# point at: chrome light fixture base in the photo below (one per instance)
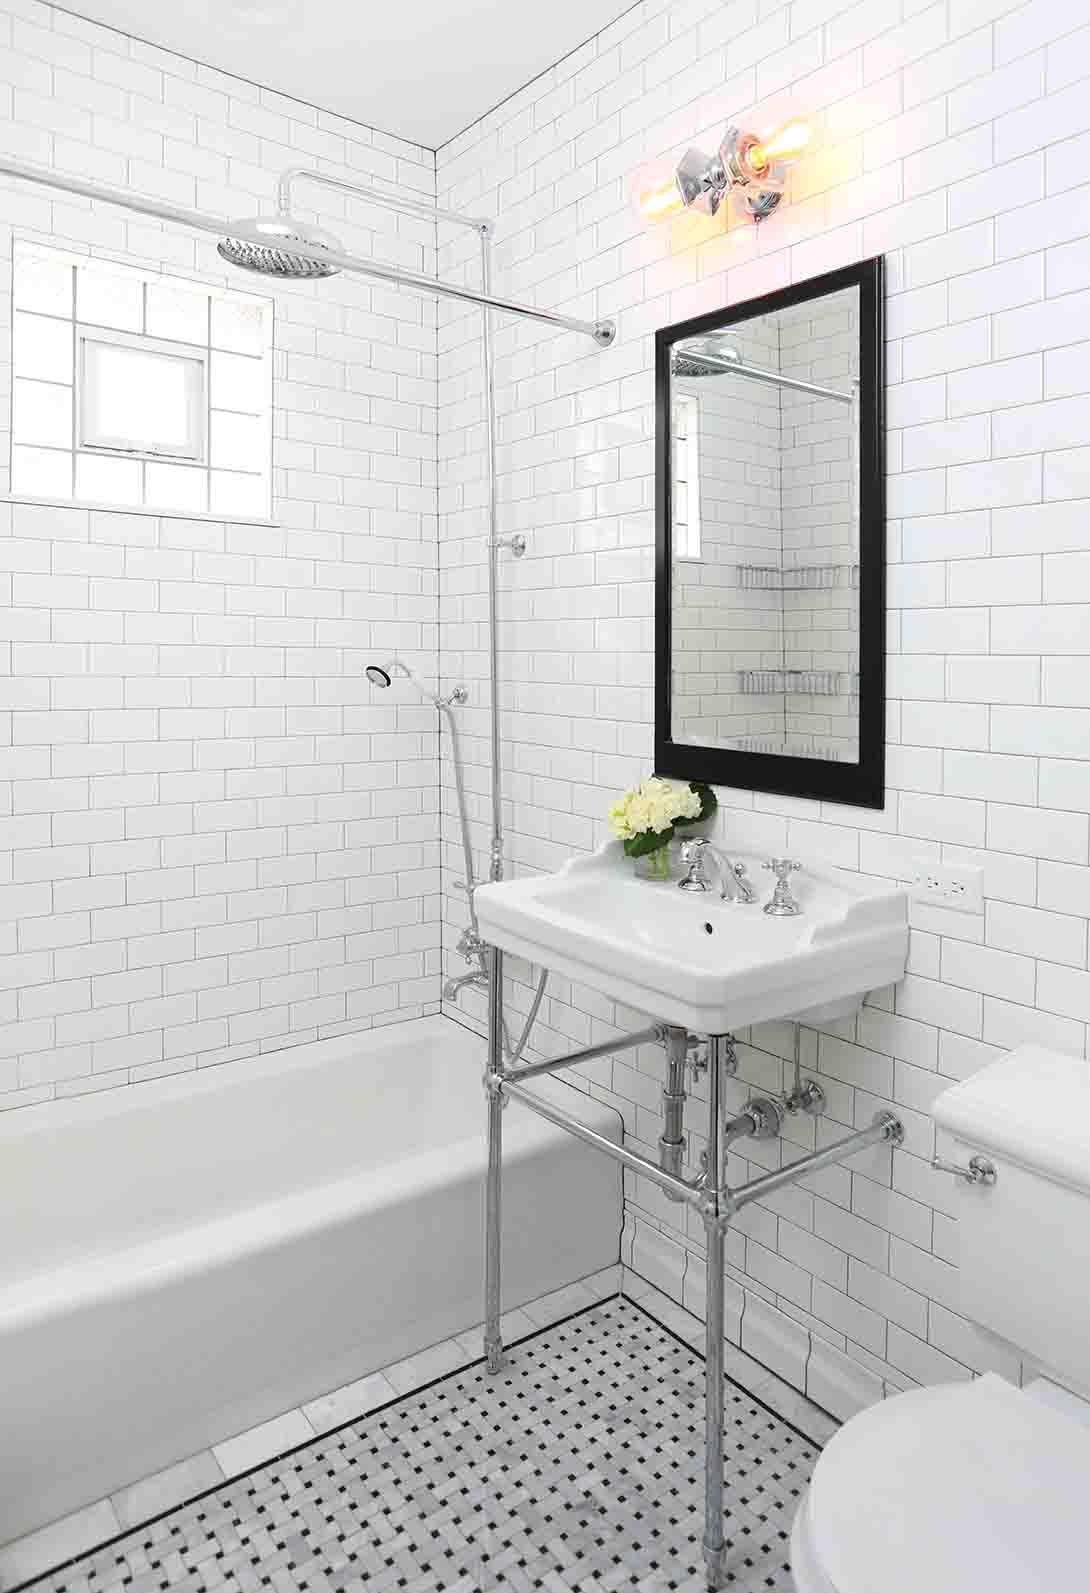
(704, 181)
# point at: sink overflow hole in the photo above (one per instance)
(708, 930)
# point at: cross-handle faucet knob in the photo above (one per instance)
(783, 904)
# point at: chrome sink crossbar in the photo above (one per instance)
(623, 1042)
(709, 1194)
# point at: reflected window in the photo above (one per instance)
(685, 472)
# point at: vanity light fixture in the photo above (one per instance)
(753, 169)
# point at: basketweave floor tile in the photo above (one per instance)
(580, 1467)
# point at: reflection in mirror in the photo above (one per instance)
(765, 434)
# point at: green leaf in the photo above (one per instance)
(708, 804)
(647, 841)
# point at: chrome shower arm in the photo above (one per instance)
(603, 332)
(373, 196)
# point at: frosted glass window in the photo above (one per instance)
(236, 440)
(115, 372)
(236, 382)
(100, 478)
(141, 399)
(110, 298)
(42, 348)
(177, 311)
(44, 284)
(176, 487)
(41, 472)
(45, 412)
(236, 494)
(238, 324)
(685, 477)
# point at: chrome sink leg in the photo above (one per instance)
(713, 1361)
(493, 1343)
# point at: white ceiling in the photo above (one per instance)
(424, 70)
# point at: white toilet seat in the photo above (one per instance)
(964, 1485)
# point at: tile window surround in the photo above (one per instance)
(213, 839)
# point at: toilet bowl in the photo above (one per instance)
(981, 1484)
(966, 1485)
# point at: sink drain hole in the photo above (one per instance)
(708, 929)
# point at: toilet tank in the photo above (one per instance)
(1024, 1242)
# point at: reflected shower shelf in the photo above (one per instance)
(797, 578)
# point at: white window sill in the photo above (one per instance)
(128, 508)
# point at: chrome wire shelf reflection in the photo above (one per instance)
(806, 682)
(790, 747)
(797, 577)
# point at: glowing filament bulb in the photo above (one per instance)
(662, 201)
(786, 144)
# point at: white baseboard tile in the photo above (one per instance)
(695, 1298)
(774, 1340)
(660, 1260)
(839, 1384)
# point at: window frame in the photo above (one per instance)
(197, 363)
(51, 463)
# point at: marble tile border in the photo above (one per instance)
(761, 1384)
(25, 1560)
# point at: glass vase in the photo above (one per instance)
(657, 865)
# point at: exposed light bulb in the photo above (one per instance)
(787, 144)
(662, 201)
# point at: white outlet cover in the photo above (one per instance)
(959, 887)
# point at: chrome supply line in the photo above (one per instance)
(708, 1193)
(720, 365)
(602, 332)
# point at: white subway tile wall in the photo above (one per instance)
(215, 836)
(953, 139)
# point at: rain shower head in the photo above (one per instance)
(275, 255)
(377, 675)
(710, 357)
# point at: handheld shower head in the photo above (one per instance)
(275, 255)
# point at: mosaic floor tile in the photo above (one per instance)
(580, 1467)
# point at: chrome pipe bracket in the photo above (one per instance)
(979, 1171)
(515, 544)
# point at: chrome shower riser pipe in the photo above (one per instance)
(602, 332)
(495, 862)
(372, 196)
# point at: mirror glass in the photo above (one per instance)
(768, 426)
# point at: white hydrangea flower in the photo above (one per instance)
(655, 805)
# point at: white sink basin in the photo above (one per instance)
(693, 959)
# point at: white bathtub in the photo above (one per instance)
(183, 1259)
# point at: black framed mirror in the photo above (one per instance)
(770, 567)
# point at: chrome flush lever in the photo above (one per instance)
(979, 1171)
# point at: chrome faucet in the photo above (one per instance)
(733, 883)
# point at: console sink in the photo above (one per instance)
(692, 959)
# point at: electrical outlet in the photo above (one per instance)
(955, 885)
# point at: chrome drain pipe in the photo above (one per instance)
(672, 1138)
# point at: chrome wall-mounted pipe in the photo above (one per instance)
(886, 1128)
(602, 332)
(373, 196)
